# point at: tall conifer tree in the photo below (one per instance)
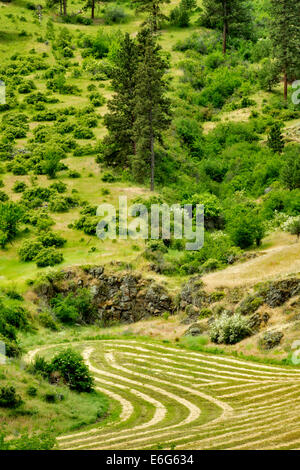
(119, 144)
(230, 16)
(285, 34)
(152, 107)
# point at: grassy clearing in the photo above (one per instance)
(69, 413)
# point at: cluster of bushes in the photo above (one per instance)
(43, 250)
(67, 367)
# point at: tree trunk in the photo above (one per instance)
(60, 7)
(93, 9)
(225, 28)
(65, 7)
(152, 154)
(285, 81)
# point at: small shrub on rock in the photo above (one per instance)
(270, 340)
(229, 329)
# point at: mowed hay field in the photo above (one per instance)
(172, 398)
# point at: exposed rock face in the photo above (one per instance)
(124, 297)
(278, 292)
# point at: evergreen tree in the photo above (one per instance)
(120, 144)
(275, 138)
(230, 16)
(285, 34)
(153, 8)
(152, 107)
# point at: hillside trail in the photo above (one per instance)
(274, 262)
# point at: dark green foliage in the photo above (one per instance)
(275, 138)
(290, 172)
(245, 227)
(74, 308)
(9, 397)
(48, 257)
(3, 196)
(47, 321)
(19, 187)
(52, 239)
(31, 391)
(120, 143)
(269, 74)
(12, 348)
(285, 35)
(152, 107)
(71, 366)
(233, 17)
(10, 217)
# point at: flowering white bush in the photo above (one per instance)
(289, 223)
(230, 329)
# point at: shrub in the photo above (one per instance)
(10, 217)
(294, 227)
(29, 250)
(245, 227)
(19, 187)
(31, 391)
(83, 133)
(229, 329)
(40, 366)
(59, 187)
(47, 321)
(48, 257)
(9, 397)
(114, 14)
(71, 366)
(52, 239)
(275, 138)
(290, 172)
(12, 348)
(15, 316)
(75, 307)
(97, 100)
(108, 178)
(3, 196)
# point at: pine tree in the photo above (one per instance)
(153, 8)
(285, 34)
(152, 107)
(119, 144)
(230, 16)
(275, 138)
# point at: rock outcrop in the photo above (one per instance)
(119, 297)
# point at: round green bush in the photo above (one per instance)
(48, 257)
